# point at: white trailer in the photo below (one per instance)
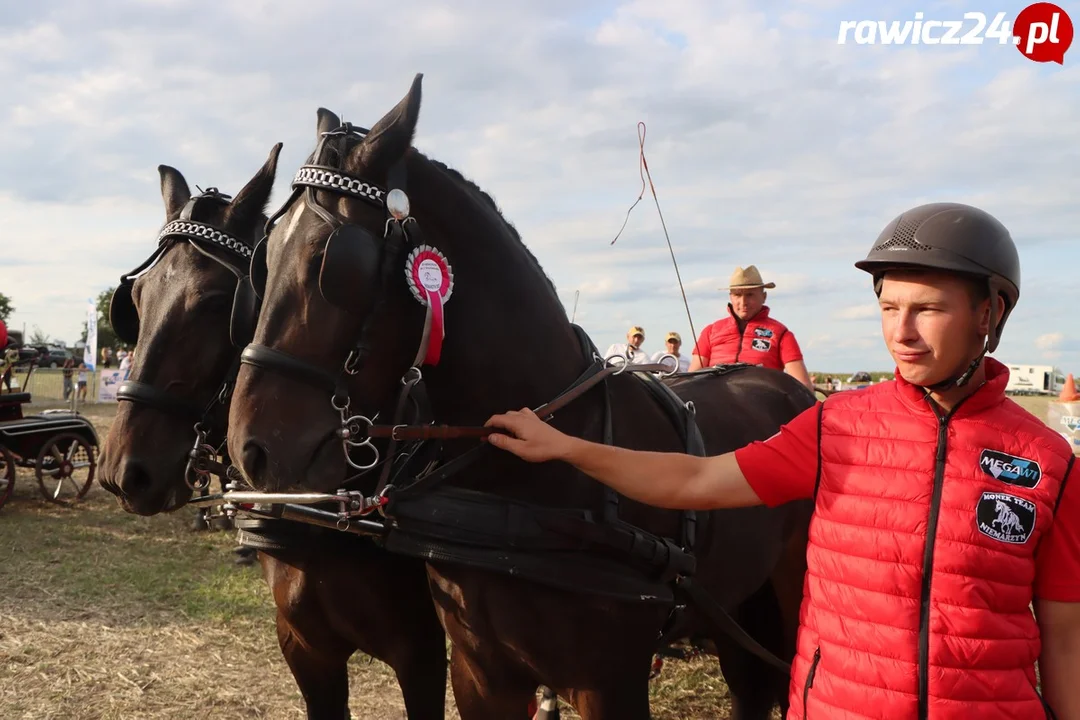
(1035, 380)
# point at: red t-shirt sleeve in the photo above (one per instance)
(1057, 562)
(789, 348)
(784, 467)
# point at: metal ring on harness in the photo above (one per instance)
(622, 366)
(405, 378)
(668, 373)
(350, 428)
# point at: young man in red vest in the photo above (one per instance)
(943, 510)
(748, 334)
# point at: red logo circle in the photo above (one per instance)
(1043, 32)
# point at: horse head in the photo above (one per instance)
(385, 265)
(188, 311)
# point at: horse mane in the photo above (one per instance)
(335, 154)
(473, 189)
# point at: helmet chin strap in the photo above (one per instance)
(959, 380)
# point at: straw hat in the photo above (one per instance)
(745, 279)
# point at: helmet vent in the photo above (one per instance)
(903, 237)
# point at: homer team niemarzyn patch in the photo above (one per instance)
(762, 332)
(759, 344)
(1010, 469)
(1006, 518)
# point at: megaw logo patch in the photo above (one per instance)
(1006, 518)
(760, 345)
(1010, 469)
(762, 332)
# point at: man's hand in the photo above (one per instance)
(530, 438)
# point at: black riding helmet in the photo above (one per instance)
(953, 238)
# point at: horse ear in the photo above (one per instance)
(248, 206)
(327, 121)
(392, 135)
(174, 190)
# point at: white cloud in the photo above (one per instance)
(1050, 345)
(858, 312)
(768, 143)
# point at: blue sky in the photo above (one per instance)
(769, 143)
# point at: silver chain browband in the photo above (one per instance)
(321, 177)
(200, 231)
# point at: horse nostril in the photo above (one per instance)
(254, 460)
(134, 478)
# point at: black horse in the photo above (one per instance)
(522, 568)
(335, 593)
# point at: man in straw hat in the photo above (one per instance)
(748, 334)
(944, 512)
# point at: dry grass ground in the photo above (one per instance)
(106, 615)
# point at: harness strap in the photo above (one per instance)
(145, 394)
(719, 617)
(593, 375)
(391, 448)
(269, 359)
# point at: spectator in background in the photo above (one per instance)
(82, 381)
(631, 349)
(68, 371)
(106, 357)
(125, 362)
(672, 343)
(748, 334)
(8, 357)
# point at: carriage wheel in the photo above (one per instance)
(7, 474)
(65, 468)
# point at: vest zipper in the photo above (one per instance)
(928, 569)
(742, 337)
(810, 681)
(928, 555)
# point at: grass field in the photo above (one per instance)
(113, 616)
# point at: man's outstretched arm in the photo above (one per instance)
(667, 480)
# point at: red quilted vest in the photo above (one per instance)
(921, 557)
(758, 344)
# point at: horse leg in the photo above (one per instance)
(489, 691)
(420, 666)
(321, 673)
(508, 637)
(314, 652)
(620, 698)
(755, 685)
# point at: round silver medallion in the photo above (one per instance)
(397, 202)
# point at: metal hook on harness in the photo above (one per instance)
(367, 443)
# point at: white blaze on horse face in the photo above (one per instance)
(298, 212)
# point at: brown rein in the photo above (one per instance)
(405, 433)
